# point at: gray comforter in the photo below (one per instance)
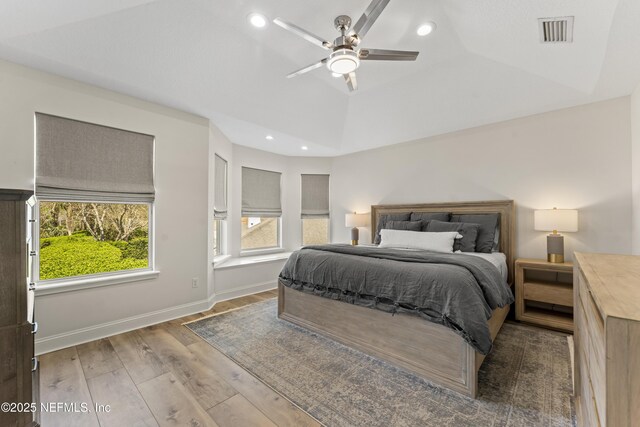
(455, 290)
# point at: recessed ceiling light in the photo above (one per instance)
(336, 75)
(257, 20)
(426, 28)
(304, 147)
(269, 137)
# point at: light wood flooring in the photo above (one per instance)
(162, 375)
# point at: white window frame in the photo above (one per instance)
(221, 241)
(265, 250)
(302, 229)
(221, 232)
(65, 284)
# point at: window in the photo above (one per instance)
(260, 233)
(78, 239)
(217, 237)
(315, 209)
(219, 205)
(261, 209)
(315, 231)
(95, 192)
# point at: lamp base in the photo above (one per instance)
(355, 236)
(555, 258)
(555, 248)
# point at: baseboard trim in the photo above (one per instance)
(103, 330)
(244, 291)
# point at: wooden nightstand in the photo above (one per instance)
(544, 293)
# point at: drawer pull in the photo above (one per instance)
(34, 328)
(34, 364)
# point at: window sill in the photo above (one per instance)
(78, 284)
(221, 259)
(259, 252)
(244, 261)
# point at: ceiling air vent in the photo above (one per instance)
(556, 30)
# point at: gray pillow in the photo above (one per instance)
(383, 218)
(488, 225)
(404, 225)
(425, 217)
(468, 231)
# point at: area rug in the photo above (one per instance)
(524, 381)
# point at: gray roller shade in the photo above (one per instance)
(81, 161)
(315, 196)
(220, 189)
(260, 193)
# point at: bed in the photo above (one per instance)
(430, 350)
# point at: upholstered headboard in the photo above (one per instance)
(506, 209)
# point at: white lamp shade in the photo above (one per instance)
(555, 219)
(356, 220)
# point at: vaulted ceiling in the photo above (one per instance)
(483, 64)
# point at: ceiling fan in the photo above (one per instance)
(345, 55)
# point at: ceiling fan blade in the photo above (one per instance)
(308, 68)
(387, 55)
(368, 18)
(351, 80)
(303, 33)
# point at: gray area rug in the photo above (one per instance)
(524, 381)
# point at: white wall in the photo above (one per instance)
(635, 169)
(181, 178)
(572, 158)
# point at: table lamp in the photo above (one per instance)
(355, 220)
(555, 220)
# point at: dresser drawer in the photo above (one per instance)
(592, 313)
(598, 380)
(589, 413)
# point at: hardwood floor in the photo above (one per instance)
(162, 375)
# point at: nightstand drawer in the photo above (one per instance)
(552, 293)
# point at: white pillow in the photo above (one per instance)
(428, 241)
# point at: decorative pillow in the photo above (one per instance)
(468, 231)
(425, 217)
(382, 221)
(488, 225)
(404, 225)
(434, 242)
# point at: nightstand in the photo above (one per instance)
(544, 293)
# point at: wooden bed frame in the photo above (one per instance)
(429, 350)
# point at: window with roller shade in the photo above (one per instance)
(315, 209)
(261, 209)
(219, 204)
(95, 192)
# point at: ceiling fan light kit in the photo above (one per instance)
(345, 58)
(343, 61)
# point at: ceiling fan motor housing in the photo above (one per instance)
(343, 61)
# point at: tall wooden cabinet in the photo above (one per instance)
(607, 340)
(18, 365)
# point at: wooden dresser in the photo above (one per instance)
(607, 339)
(18, 365)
